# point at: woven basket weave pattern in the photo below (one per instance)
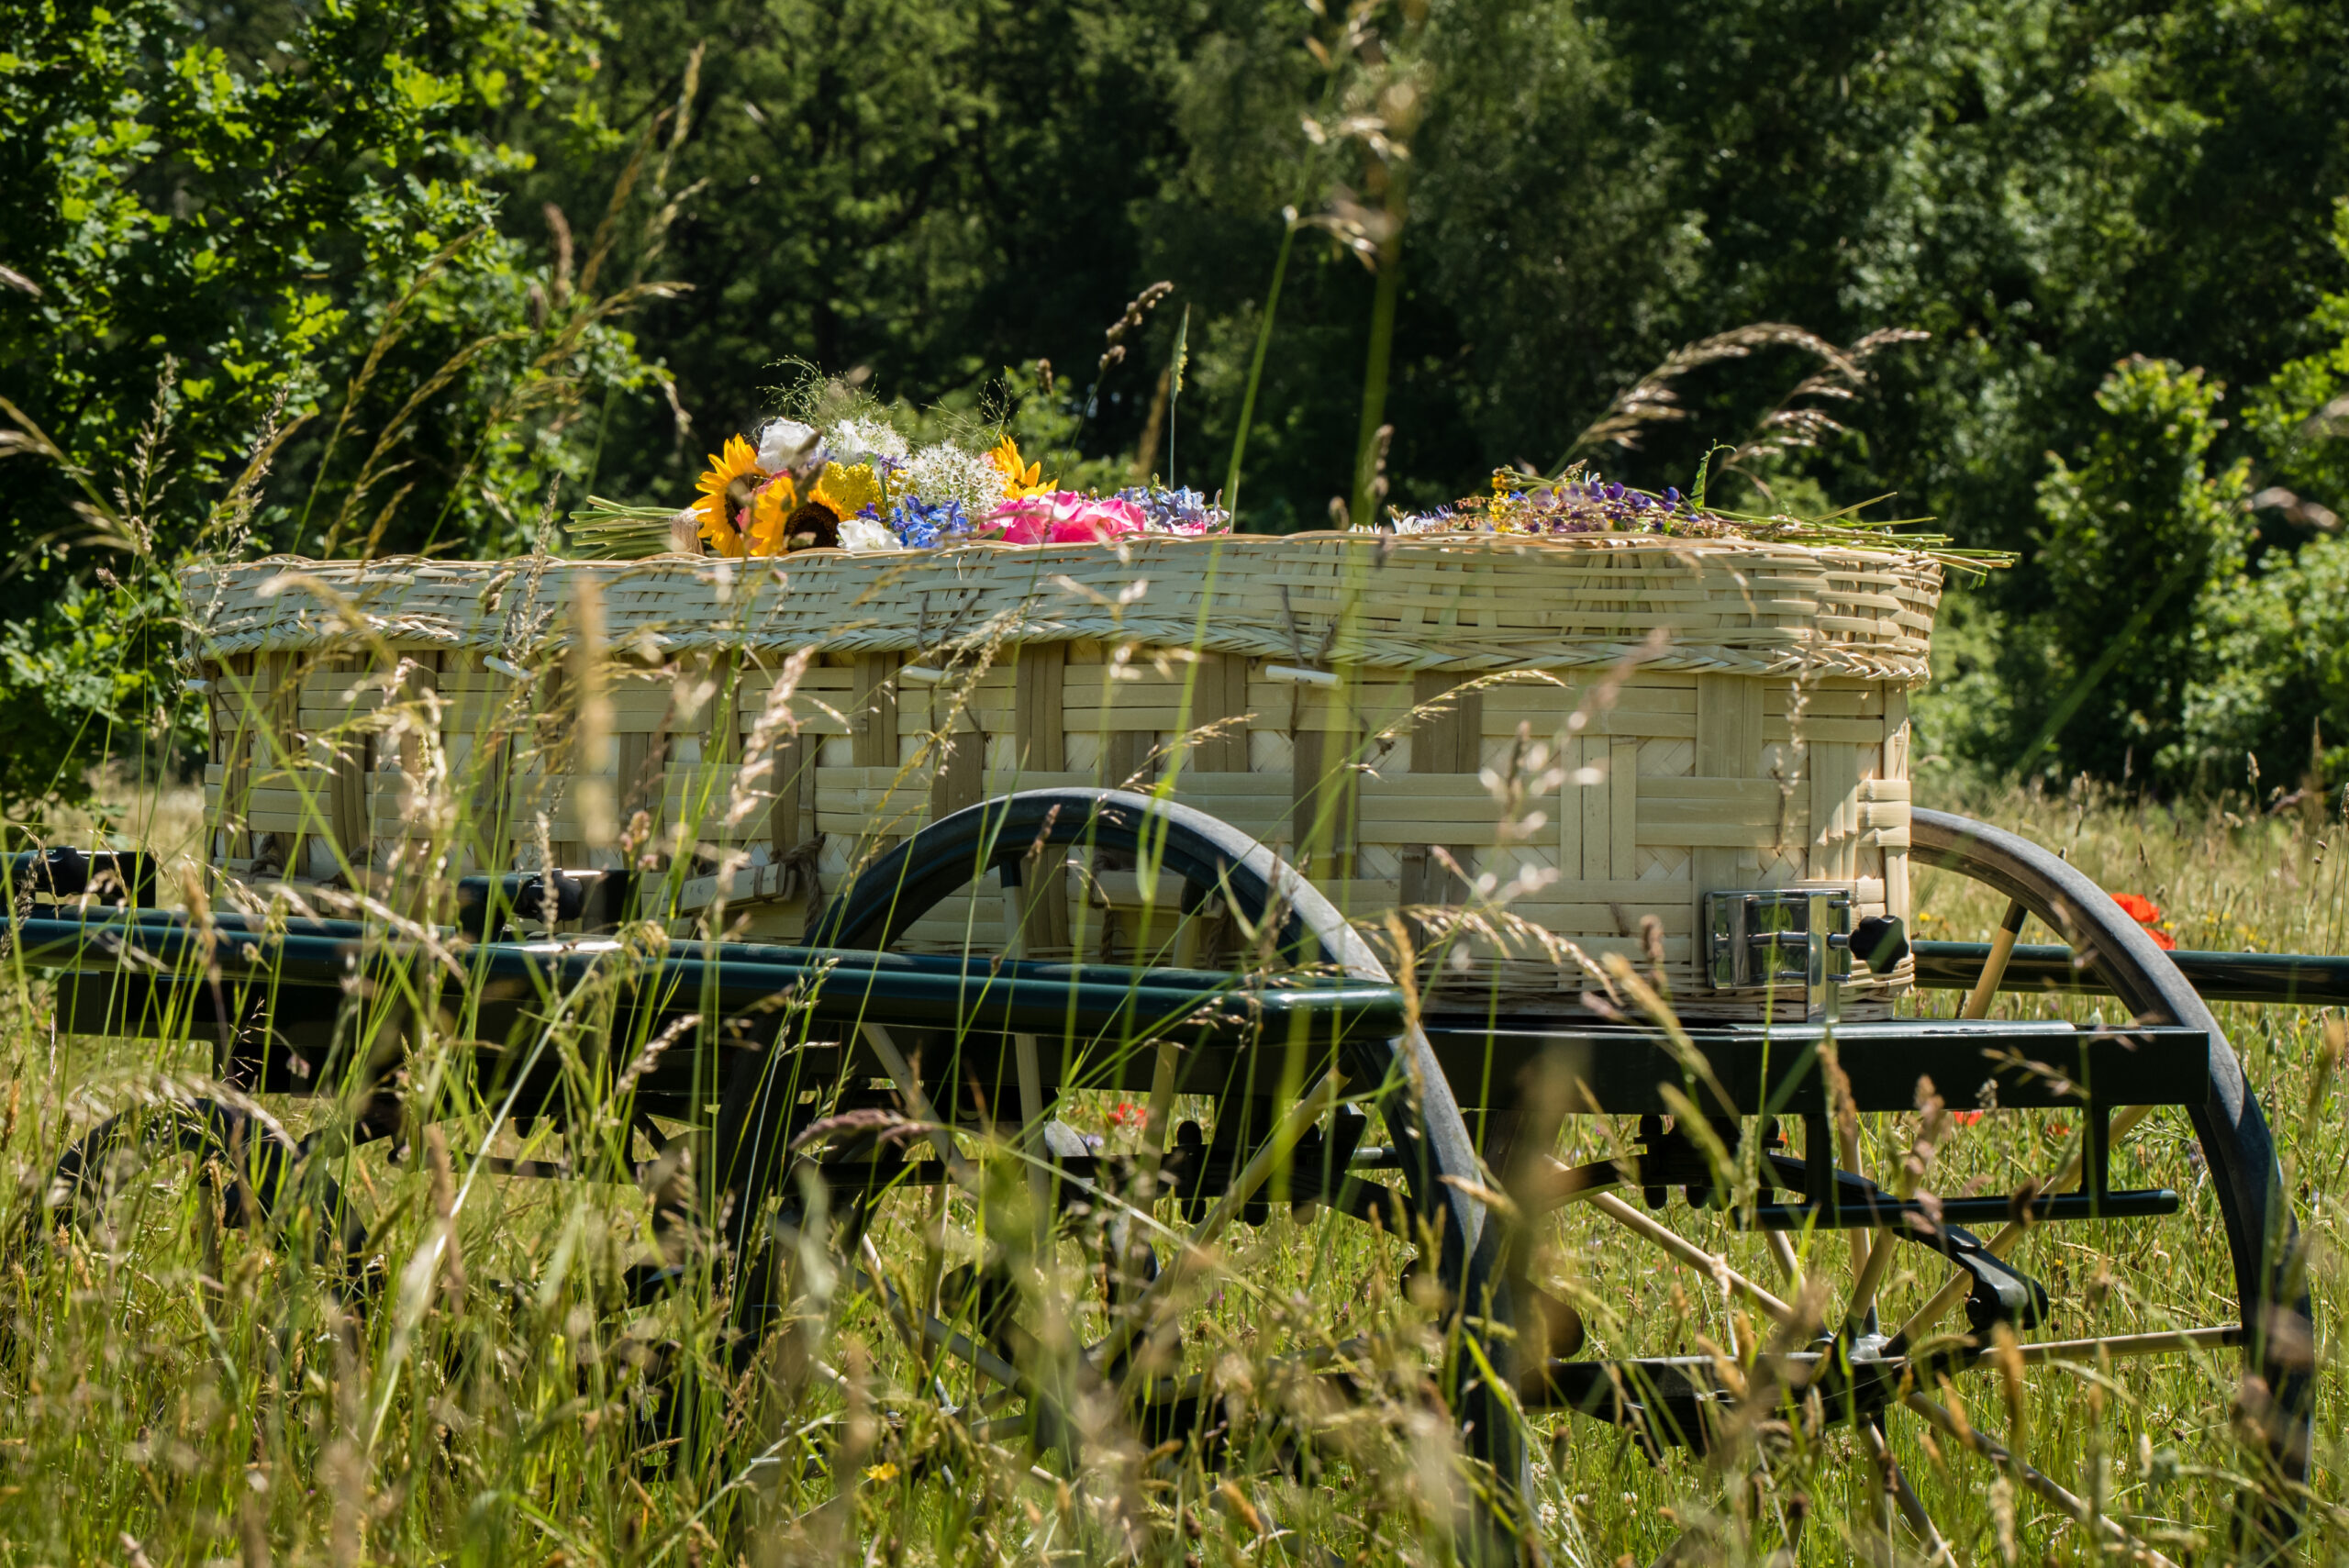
(1471, 605)
(1608, 774)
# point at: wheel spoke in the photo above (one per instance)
(1994, 968)
(1025, 1052)
(1912, 1507)
(2153, 1344)
(1031, 1118)
(1688, 1252)
(1782, 1253)
(1554, 1185)
(927, 1325)
(901, 1074)
(1878, 1264)
(1161, 1117)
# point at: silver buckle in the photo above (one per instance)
(1780, 938)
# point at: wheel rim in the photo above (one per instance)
(1406, 1084)
(2274, 1324)
(2263, 1239)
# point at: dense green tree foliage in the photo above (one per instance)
(258, 296)
(445, 236)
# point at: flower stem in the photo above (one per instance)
(1256, 371)
(1374, 384)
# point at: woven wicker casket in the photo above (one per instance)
(1537, 746)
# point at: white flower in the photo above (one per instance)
(867, 534)
(786, 443)
(946, 472)
(855, 440)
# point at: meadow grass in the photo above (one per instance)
(185, 1391)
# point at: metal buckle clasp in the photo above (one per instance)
(1780, 938)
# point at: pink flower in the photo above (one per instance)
(1066, 516)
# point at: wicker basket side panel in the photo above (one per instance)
(1892, 826)
(285, 783)
(1603, 801)
(1674, 786)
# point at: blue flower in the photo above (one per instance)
(926, 525)
(1184, 510)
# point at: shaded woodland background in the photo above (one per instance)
(446, 268)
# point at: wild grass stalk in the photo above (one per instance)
(503, 1397)
(553, 1335)
(1256, 362)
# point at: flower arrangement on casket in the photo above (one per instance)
(1582, 503)
(859, 486)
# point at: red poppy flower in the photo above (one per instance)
(1127, 1115)
(1965, 1119)
(2148, 914)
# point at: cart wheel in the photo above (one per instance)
(996, 1325)
(242, 1171)
(2067, 1324)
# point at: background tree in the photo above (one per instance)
(917, 195)
(266, 242)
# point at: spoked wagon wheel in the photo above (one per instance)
(1132, 1346)
(216, 1163)
(2016, 1308)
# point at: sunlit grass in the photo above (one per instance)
(185, 1393)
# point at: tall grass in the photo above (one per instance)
(457, 1360)
(186, 1391)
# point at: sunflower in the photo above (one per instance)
(1019, 480)
(814, 526)
(770, 508)
(839, 493)
(726, 489)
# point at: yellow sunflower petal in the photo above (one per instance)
(721, 536)
(776, 500)
(738, 460)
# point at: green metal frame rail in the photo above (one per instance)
(2290, 979)
(843, 985)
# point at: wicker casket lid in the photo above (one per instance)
(1466, 604)
(1689, 716)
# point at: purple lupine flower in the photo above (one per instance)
(1183, 511)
